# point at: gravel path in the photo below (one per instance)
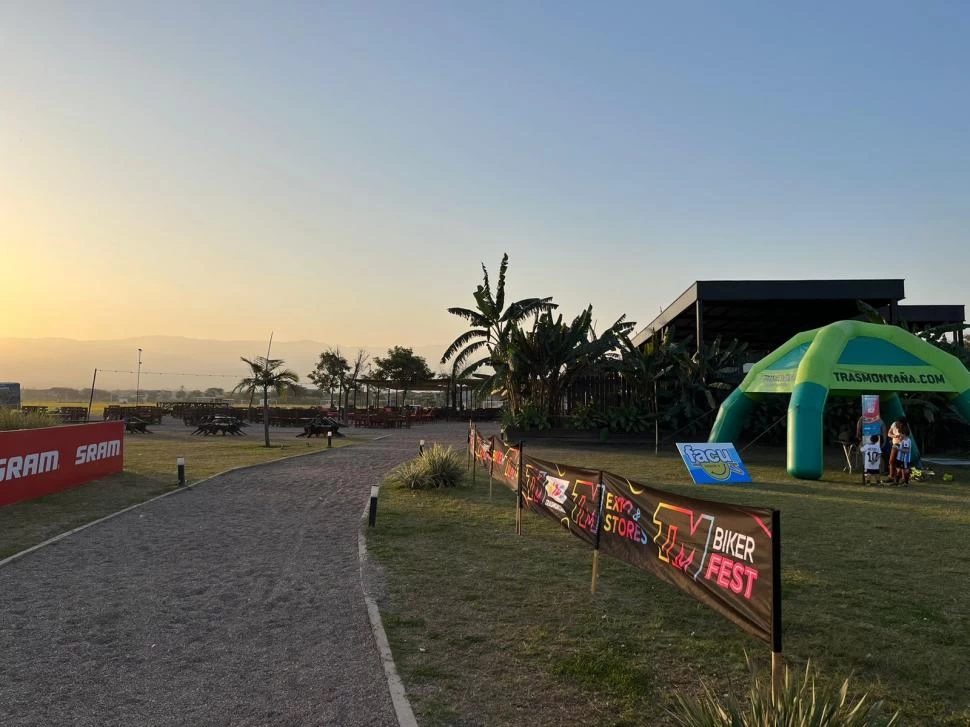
(234, 603)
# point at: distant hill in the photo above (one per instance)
(45, 362)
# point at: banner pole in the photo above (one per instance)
(491, 463)
(468, 449)
(475, 459)
(777, 666)
(518, 495)
(596, 539)
(91, 398)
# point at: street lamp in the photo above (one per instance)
(138, 379)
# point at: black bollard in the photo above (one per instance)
(421, 447)
(329, 438)
(180, 462)
(372, 513)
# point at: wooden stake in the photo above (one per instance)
(596, 571)
(491, 465)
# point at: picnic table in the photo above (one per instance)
(320, 426)
(221, 425)
(134, 425)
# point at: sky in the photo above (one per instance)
(339, 171)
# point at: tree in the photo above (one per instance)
(215, 392)
(266, 374)
(354, 372)
(543, 363)
(402, 369)
(492, 323)
(330, 372)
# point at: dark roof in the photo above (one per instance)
(766, 313)
(928, 316)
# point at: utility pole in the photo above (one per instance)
(138, 379)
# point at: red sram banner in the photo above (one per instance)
(37, 462)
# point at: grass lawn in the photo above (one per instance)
(492, 629)
(149, 470)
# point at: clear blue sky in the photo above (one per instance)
(366, 157)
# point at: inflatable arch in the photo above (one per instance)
(847, 358)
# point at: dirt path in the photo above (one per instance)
(236, 603)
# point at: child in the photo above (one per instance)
(872, 459)
(902, 456)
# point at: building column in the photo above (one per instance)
(699, 311)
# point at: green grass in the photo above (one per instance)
(490, 628)
(149, 471)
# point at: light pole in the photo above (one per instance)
(138, 379)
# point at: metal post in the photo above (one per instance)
(180, 465)
(777, 667)
(372, 510)
(91, 399)
(329, 438)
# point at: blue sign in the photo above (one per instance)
(715, 463)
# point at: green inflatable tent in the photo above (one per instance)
(847, 358)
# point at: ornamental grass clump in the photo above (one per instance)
(11, 419)
(434, 468)
(801, 702)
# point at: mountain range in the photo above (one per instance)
(167, 361)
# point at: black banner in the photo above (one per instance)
(568, 495)
(718, 553)
(506, 465)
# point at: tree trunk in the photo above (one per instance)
(266, 414)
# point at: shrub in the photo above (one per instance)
(436, 467)
(802, 702)
(16, 419)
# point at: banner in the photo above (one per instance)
(9, 395)
(37, 462)
(568, 495)
(871, 423)
(718, 553)
(483, 449)
(713, 463)
(506, 465)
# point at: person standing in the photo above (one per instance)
(896, 436)
(904, 450)
(871, 459)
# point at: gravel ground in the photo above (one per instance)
(234, 603)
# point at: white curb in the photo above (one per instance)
(402, 707)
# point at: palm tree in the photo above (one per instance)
(544, 362)
(266, 375)
(492, 323)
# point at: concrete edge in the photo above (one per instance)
(51, 541)
(402, 707)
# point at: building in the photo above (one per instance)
(766, 313)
